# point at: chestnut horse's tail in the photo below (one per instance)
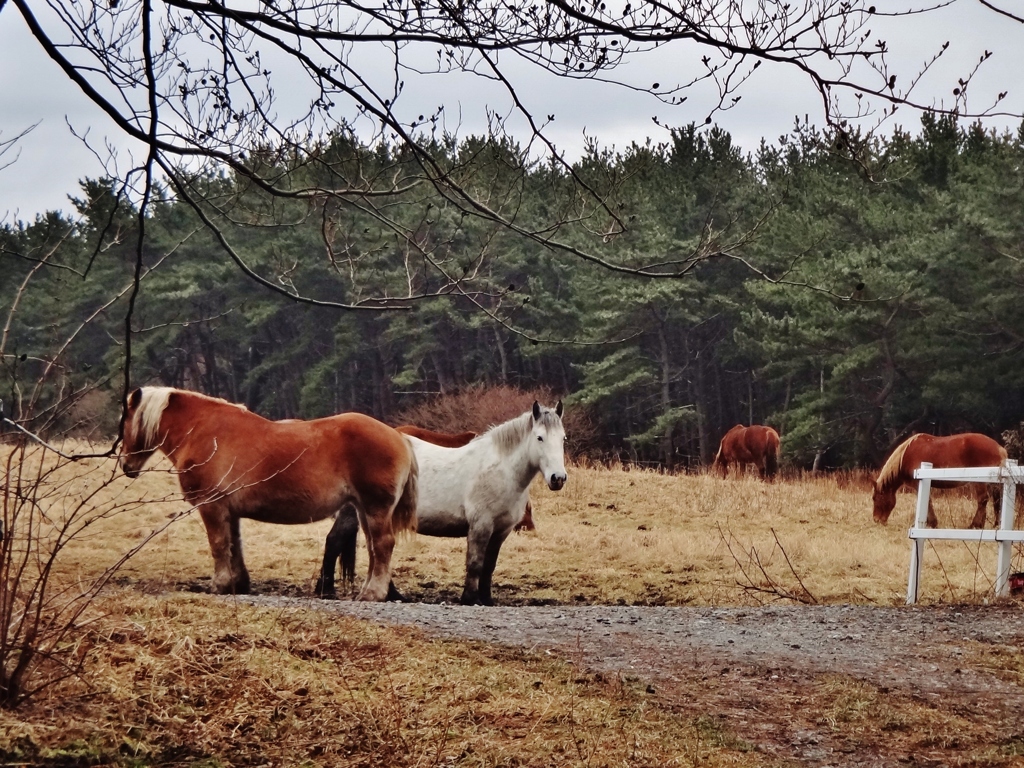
(891, 472)
(404, 516)
(771, 453)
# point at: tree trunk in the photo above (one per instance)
(666, 399)
(502, 356)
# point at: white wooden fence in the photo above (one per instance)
(1009, 476)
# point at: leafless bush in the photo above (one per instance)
(755, 568)
(48, 501)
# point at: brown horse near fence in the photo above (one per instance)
(969, 449)
(232, 464)
(756, 444)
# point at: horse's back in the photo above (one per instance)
(295, 471)
(445, 439)
(967, 449)
(749, 444)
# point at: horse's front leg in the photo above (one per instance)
(477, 540)
(490, 561)
(933, 521)
(224, 534)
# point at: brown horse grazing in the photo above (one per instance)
(232, 464)
(341, 539)
(969, 449)
(755, 444)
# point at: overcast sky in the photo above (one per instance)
(49, 161)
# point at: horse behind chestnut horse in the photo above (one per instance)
(457, 440)
(479, 491)
(232, 464)
(756, 444)
(969, 449)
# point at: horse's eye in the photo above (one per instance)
(540, 439)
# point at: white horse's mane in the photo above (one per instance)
(509, 435)
(154, 403)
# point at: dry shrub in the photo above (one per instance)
(1013, 440)
(479, 408)
(51, 504)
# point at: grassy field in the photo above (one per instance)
(175, 678)
(611, 536)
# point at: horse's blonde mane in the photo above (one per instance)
(147, 416)
(890, 471)
(509, 435)
(152, 407)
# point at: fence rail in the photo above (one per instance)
(1009, 476)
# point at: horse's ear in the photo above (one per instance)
(558, 409)
(135, 398)
(536, 411)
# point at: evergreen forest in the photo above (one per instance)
(846, 302)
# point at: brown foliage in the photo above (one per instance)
(477, 409)
(1013, 441)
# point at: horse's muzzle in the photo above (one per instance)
(557, 481)
(131, 472)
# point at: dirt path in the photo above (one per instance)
(762, 673)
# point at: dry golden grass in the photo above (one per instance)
(611, 536)
(183, 680)
(615, 536)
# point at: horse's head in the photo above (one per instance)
(547, 446)
(884, 502)
(136, 437)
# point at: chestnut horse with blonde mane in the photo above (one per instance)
(969, 449)
(756, 444)
(232, 463)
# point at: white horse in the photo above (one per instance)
(478, 491)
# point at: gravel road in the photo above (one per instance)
(741, 663)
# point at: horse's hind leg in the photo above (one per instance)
(933, 521)
(380, 543)
(340, 544)
(224, 534)
(981, 494)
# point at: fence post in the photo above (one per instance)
(924, 489)
(1006, 515)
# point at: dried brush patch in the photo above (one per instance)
(197, 681)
